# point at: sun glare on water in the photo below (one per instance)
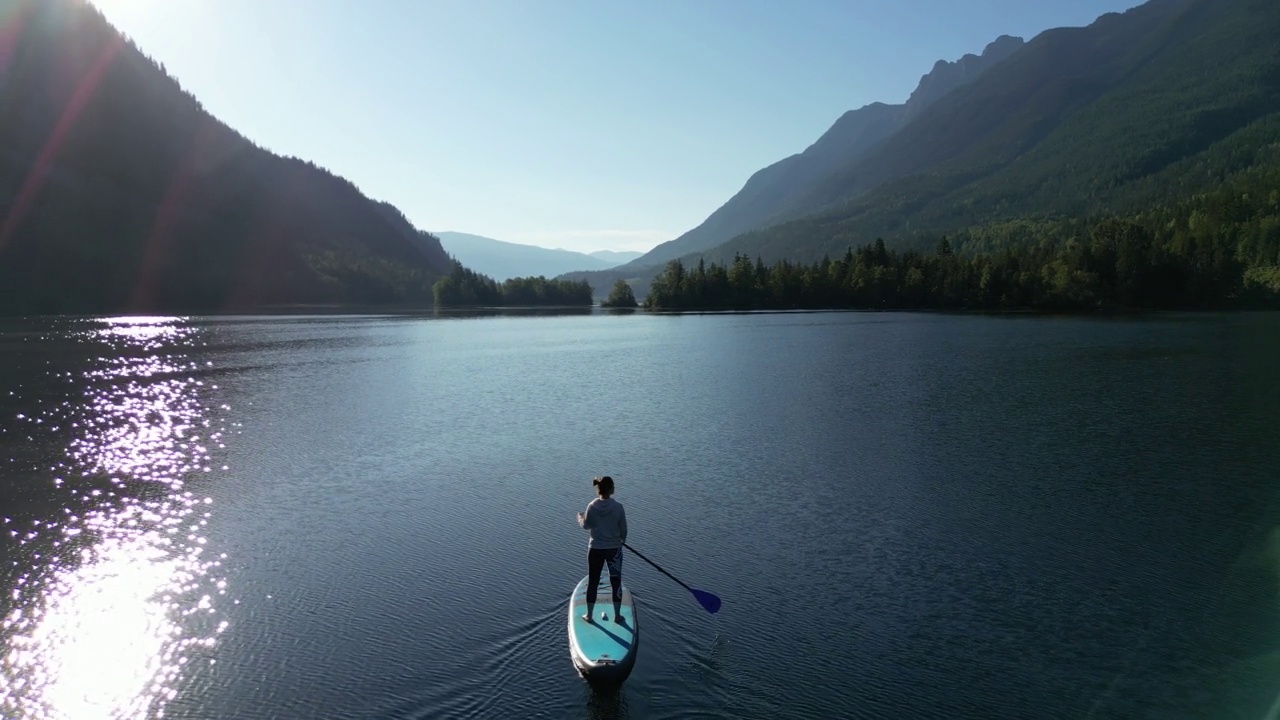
(103, 646)
(120, 594)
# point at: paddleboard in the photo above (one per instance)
(603, 649)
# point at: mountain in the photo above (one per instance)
(121, 193)
(778, 191)
(502, 260)
(1167, 115)
(1136, 111)
(614, 257)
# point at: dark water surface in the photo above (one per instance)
(905, 515)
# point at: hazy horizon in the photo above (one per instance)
(568, 125)
(442, 234)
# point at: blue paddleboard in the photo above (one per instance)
(603, 649)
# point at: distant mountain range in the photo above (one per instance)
(1137, 110)
(615, 257)
(119, 192)
(502, 260)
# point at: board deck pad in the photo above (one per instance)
(602, 648)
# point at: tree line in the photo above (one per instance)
(466, 288)
(1121, 264)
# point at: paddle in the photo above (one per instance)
(706, 599)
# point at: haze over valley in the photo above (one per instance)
(503, 260)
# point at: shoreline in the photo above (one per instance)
(330, 310)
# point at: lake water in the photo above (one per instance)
(906, 515)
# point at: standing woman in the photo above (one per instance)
(607, 523)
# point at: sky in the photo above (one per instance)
(577, 124)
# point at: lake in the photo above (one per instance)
(906, 515)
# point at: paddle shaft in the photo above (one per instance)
(659, 567)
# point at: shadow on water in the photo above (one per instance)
(606, 701)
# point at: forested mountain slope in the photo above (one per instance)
(119, 192)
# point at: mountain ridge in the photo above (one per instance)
(773, 190)
(1147, 91)
(1138, 110)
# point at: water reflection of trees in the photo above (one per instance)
(492, 312)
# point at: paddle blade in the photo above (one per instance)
(707, 600)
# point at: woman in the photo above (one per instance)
(607, 522)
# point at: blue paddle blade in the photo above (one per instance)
(707, 600)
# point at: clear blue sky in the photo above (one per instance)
(582, 124)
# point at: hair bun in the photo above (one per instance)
(595, 482)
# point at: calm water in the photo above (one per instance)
(905, 515)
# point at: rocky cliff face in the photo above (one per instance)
(947, 76)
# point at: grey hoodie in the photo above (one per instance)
(607, 522)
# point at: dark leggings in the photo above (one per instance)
(595, 563)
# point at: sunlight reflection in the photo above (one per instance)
(142, 327)
(106, 643)
(119, 597)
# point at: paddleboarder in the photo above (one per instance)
(607, 522)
